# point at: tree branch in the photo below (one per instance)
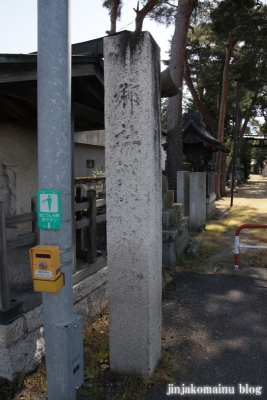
(140, 15)
(171, 5)
(203, 111)
(113, 16)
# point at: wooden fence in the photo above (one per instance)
(85, 220)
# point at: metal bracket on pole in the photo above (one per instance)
(71, 350)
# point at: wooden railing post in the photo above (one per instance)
(79, 232)
(91, 230)
(4, 282)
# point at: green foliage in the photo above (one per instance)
(244, 22)
(262, 107)
(206, 59)
(230, 18)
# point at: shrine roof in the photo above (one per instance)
(199, 133)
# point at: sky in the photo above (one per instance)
(88, 20)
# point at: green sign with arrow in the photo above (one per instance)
(49, 209)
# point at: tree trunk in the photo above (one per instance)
(223, 102)
(113, 16)
(174, 135)
(223, 175)
(197, 100)
(140, 15)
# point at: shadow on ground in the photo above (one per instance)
(216, 328)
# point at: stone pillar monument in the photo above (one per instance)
(134, 203)
(183, 190)
(197, 212)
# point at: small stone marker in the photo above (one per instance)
(197, 209)
(183, 194)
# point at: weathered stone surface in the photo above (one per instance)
(5, 364)
(210, 205)
(89, 284)
(133, 185)
(175, 244)
(93, 304)
(27, 354)
(97, 302)
(164, 183)
(11, 333)
(167, 199)
(34, 318)
(169, 235)
(169, 258)
(175, 235)
(183, 190)
(172, 216)
(81, 307)
(24, 355)
(197, 214)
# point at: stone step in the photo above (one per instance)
(175, 242)
(172, 216)
(167, 199)
(170, 235)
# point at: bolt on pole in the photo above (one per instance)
(62, 328)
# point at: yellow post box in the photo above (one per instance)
(45, 265)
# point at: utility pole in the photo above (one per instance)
(62, 328)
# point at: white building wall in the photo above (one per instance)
(84, 152)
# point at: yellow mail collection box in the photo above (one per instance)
(45, 265)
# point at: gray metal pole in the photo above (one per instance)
(62, 329)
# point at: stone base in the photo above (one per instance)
(183, 190)
(167, 199)
(210, 205)
(172, 216)
(175, 242)
(22, 342)
(197, 212)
